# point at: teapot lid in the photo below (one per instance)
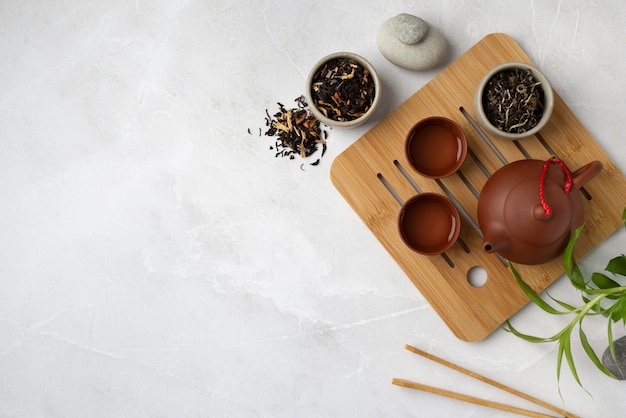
(527, 219)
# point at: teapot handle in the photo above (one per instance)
(585, 173)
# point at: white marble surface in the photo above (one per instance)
(157, 260)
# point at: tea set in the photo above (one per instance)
(527, 210)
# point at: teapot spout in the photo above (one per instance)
(496, 241)
(491, 248)
(586, 173)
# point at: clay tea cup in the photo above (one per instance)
(429, 223)
(436, 147)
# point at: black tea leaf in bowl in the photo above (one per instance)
(513, 101)
(343, 90)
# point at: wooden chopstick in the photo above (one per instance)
(466, 398)
(491, 382)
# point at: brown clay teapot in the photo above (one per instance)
(528, 209)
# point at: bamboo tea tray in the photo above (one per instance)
(375, 178)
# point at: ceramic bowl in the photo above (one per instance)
(479, 110)
(329, 117)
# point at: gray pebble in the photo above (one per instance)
(394, 42)
(409, 29)
(617, 368)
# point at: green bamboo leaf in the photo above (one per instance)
(606, 292)
(577, 278)
(563, 304)
(609, 333)
(618, 310)
(603, 281)
(617, 265)
(530, 338)
(559, 360)
(591, 353)
(533, 296)
(568, 255)
(624, 217)
(623, 309)
(568, 355)
(608, 313)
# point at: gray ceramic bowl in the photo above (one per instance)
(548, 102)
(309, 94)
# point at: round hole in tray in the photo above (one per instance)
(477, 276)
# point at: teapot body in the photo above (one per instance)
(514, 219)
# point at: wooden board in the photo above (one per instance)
(369, 172)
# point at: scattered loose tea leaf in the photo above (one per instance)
(513, 100)
(343, 90)
(297, 131)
